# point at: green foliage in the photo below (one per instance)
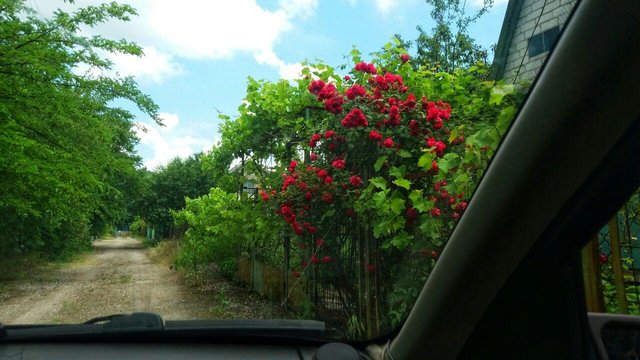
(66, 153)
(448, 47)
(165, 189)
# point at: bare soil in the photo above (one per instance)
(121, 276)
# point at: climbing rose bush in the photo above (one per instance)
(385, 158)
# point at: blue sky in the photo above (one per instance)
(199, 53)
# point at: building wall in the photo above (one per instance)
(555, 13)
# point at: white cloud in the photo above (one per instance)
(169, 120)
(171, 141)
(299, 8)
(385, 6)
(154, 66)
(197, 29)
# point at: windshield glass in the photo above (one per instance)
(289, 159)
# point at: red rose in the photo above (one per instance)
(329, 134)
(316, 137)
(326, 259)
(328, 198)
(328, 180)
(388, 143)
(354, 118)
(320, 243)
(603, 259)
(264, 195)
(322, 174)
(347, 78)
(334, 104)
(292, 166)
(435, 212)
(355, 181)
(316, 86)
(303, 186)
(314, 259)
(338, 164)
(355, 91)
(375, 136)
(314, 157)
(327, 92)
(404, 58)
(308, 196)
(434, 254)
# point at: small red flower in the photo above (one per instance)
(435, 212)
(355, 181)
(388, 143)
(320, 243)
(322, 174)
(328, 180)
(296, 274)
(328, 198)
(355, 91)
(327, 92)
(334, 104)
(354, 118)
(412, 213)
(308, 196)
(316, 137)
(434, 254)
(434, 166)
(338, 164)
(314, 259)
(313, 157)
(603, 259)
(316, 86)
(264, 195)
(347, 78)
(326, 259)
(292, 166)
(404, 58)
(329, 134)
(375, 136)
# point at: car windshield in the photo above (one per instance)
(252, 159)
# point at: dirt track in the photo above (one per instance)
(118, 277)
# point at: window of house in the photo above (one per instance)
(541, 43)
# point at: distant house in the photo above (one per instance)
(529, 31)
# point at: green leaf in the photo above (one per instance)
(379, 182)
(403, 183)
(398, 172)
(415, 195)
(380, 162)
(504, 118)
(402, 240)
(404, 154)
(453, 135)
(498, 92)
(425, 160)
(397, 205)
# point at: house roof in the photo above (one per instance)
(514, 8)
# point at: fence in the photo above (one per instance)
(612, 263)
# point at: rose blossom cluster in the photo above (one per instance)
(380, 110)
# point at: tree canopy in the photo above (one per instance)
(66, 152)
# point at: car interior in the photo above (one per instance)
(509, 283)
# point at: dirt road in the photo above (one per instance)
(118, 277)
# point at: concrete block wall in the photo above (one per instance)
(554, 13)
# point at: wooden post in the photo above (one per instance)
(591, 276)
(616, 258)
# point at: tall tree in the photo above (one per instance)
(64, 149)
(448, 46)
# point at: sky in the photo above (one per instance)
(199, 53)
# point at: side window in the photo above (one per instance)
(543, 42)
(611, 263)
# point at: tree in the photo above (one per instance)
(449, 46)
(66, 153)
